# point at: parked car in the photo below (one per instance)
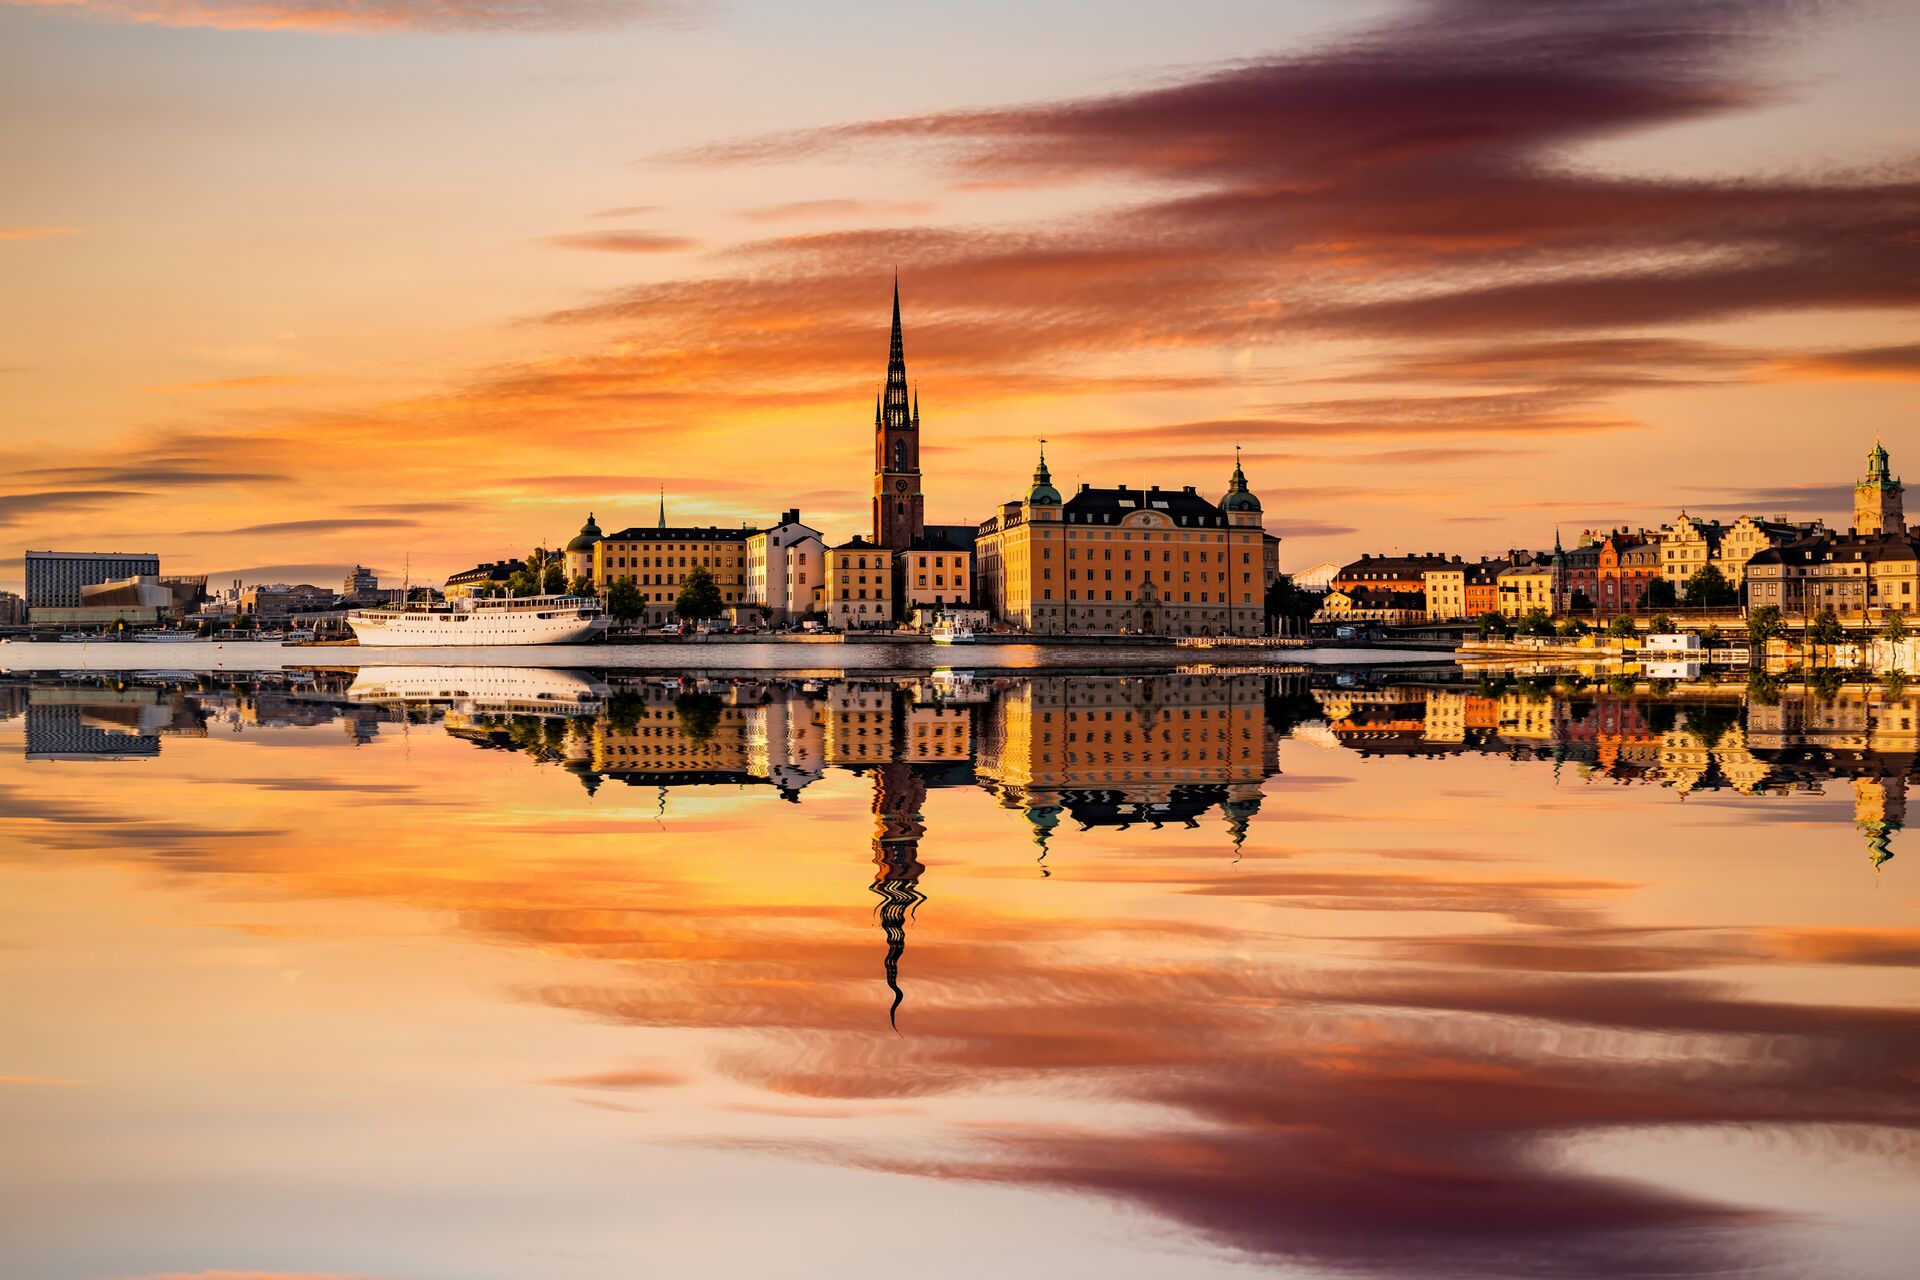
(672, 629)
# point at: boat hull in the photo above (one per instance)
(477, 629)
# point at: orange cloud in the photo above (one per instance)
(36, 233)
(366, 16)
(252, 382)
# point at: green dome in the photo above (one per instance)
(1238, 496)
(589, 535)
(1043, 494)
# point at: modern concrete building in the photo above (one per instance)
(54, 578)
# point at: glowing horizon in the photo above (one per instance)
(318, 285)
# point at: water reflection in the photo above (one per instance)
(1359, 1012)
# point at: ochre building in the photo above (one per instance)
(1125, 561)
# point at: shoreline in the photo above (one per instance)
(738, 653)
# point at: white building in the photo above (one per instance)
(786, 570)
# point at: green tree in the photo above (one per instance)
(624, 710)
(1895, 684)
(699, 715)
(553, 578)
(1826, 631)
(1660, 594)
(1896, 628)
(1660, 624)
(581, 585)
(1763, 690)
(1709, 589)
(1573, 627)
(1536, 622)
(1494, 624)
(1622, 628)
(623, 600)
(1826, 683)
(243, 623)
(1580, 601)
(699, 596)
(523, 582)
(1763, 624)
(1289, 602)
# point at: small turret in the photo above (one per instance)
(1239, 497)
(1043, 494)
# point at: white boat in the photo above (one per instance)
(470, 622)
(947, 631)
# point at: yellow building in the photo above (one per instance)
(859, 585)
(1446, 592)
(1686, 547)
(1135, 561)
(656, 560)
(1525, 587)
(932, 574)
(1747, 537)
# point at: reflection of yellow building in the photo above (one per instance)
(937, 733)
(663, 740)
(858, 722)
(1519, 716)
(1121, 750)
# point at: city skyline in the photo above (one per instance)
(1431, 264)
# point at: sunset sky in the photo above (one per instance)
(292, 285)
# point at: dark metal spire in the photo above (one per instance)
(897, 411)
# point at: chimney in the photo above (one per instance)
(791, 516)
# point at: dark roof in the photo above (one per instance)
(857, 543)
(1843, 548)
(498, 571)
(1408, 567)
(1110, 506)
(947, 537)
(708, 534)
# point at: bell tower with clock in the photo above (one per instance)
(899, 508)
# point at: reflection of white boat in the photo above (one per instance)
(460, 623)
(531, 690)
(946, 631)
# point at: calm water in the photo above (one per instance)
(474, 974)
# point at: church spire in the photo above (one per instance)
(663, 506)
(897, 411)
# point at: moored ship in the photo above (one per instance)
(468, 622)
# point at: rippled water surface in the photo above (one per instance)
(437, 975)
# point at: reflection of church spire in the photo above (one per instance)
(898, 793)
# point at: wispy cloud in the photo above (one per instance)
(798, 210)
(36, 233)
(15, 507)
(625, 242)
(370, 16)
(252, 382)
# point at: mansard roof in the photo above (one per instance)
(1183, 506)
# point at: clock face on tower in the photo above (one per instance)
(900, 486)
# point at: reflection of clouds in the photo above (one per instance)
(1295, 1081)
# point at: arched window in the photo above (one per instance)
(899, 455)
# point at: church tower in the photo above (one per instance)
(899, 508)
(1877, 505)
